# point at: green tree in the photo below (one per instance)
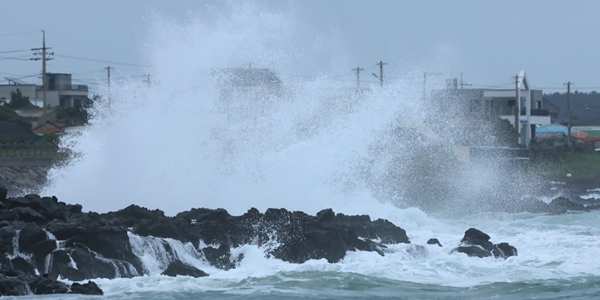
(78, 115)
(9, 115)
(17, 100)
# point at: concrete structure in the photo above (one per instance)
(482, 104)
(60, 92)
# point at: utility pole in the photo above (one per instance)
(44, 58)
(358, 69)
(381, 64)
(425, 74)
(109, 94)
(517, 104)
(148, 79)
(569, 114)
(462, 83)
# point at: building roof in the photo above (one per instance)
(246, 77)
(49, 127)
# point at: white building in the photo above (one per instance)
(486, 103)
(60, 92)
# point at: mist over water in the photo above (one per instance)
(309, 143)
(181, 144)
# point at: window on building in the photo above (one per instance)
(77, 102)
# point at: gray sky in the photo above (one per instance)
(487, 41)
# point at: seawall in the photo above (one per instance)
(23, 175)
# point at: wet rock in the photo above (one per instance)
(3, 193)
(220, 257)
(89, 288)
(13, 286)
(40, 251)
(45, 286)
(563, 204)
(29, 236)
(27, 214)
(476, 243)
(177, 267)
(99, 244)
(22, 265)
(93, 266)
(434, 241)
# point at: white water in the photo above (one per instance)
(550, 247)
(175, 146)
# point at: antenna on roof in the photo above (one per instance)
(462, 83)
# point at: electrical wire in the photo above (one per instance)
(20, 33)
(100, 61)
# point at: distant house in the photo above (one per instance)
(49, 128)
(245, 86)
(246, 78)
(484, 104)
(35, 115)
(59, 92)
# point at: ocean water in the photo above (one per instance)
(311, 143)
(557, 260)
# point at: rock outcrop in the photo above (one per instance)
(41, 235)
(476, 243)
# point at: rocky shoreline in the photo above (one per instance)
(44, 241)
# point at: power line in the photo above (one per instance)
(100, 61)
(13, 58)
(14, 51)
(19, 33)
(562, 88)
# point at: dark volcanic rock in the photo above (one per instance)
(434, 241)
(29, 236)
(16, 283)
(476, 243)
(45, 286)
(3, 193)
(27, 214)
(563, 204)
(89, 288)
(99, 244)
(41, 250)
(13, 286)
(179, 268)
(22, 265)
(91, 265)
(221, 257)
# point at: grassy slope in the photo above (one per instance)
(582, 166)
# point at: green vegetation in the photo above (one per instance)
(79, 115)
(585, 107)
(582, 166)
(9, 115)
(17, 100)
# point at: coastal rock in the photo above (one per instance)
(60, 239)
(89, 288)
(17, 283)
(434, 241)
(12, 286)
(562, 204)
(177, 267)
(477, 244)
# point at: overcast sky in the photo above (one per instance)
(486, 41)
